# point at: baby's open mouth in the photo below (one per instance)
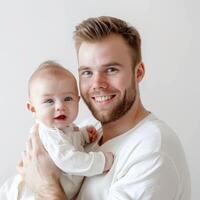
(60, 117)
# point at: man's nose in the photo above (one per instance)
(99, 81)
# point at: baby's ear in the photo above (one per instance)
(30, 107)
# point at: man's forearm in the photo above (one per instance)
(51, 192)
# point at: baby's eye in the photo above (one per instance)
(68, 98)
(49, 101)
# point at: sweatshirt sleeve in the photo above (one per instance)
(151, 177)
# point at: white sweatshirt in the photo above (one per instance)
(149, 165)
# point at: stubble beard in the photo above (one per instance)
(119, 110)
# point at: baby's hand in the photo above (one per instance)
(92, 133)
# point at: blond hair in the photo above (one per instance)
(96, 29)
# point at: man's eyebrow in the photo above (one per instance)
(47, 95)
(81, 68)
(111, 64)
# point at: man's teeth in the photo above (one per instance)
(102, 98)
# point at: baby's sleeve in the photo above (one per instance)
(70, 159)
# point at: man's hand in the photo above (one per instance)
(38, 170)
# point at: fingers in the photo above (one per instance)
(33, 144)
(37, 146)
(92, 133)
(29, 149)
(92, 136)
(20, 167)
(25, 155)
(90, 128)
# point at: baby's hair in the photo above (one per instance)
(50, 64)
(49, 67)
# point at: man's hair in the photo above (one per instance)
(46, 68)
(96, 29)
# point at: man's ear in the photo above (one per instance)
(30, 107)
(139, 72)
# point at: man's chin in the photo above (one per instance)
(100, 115)
(103, 116)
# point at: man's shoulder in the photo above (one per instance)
(151, 134)
(155, 128)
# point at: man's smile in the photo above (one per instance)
(103, 98)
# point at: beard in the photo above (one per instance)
(119, 110)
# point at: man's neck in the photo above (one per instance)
(125, 123)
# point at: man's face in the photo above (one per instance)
(107, 80)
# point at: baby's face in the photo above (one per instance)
(55, 101)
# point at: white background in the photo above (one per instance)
(32, 31)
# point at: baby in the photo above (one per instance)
(53, 99)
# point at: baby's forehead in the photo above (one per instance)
(52, 74)
(55, 71)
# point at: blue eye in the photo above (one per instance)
(68, 98)
(111, 70)
(49, 101)
(86, 73)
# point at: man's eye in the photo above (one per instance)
(86, 73)
(112, 70)
(68, 98)
(49, 101)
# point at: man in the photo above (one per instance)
(149, 160)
